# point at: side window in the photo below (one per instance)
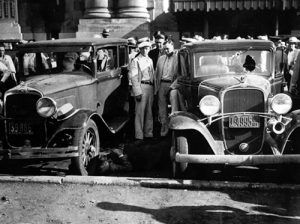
(106, 59)
(35, 63)
(122, 55)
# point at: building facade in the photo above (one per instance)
(46, 19)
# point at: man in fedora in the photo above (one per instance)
(141, 74)
(105, 33)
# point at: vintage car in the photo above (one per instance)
(71, 93)
(235, 110)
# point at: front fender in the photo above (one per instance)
(187, 121)
(295, 123)
(77, 120)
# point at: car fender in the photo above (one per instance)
(184, 121)
(295, 123)
(78, 121)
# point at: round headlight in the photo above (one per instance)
(281, 103)
(46, 107)
(209, 105)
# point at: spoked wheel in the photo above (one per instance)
(180, 145)
(88, 142)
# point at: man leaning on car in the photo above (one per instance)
(166, 73)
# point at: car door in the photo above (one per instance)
(111, 90)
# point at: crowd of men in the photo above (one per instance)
(288, 62)
(151, 72)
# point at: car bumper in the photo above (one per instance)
(39, 153)
(238, 159)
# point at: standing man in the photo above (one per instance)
(142, 78)
(6, 59)
(154, 54)
(166, 73)
(8, 62)
(158, 51)
(292, 53)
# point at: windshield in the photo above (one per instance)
(227, 62)
(55, 60)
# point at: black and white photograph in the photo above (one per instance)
(149, 111)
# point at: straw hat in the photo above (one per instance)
(144, 42)
(293, 40)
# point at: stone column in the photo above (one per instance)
(132, 9)
(96, 9)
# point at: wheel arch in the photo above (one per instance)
(184, 121)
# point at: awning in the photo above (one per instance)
(211, 5)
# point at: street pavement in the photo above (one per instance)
(45, 192)
(65, 203)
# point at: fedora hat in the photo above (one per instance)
(105, 32)
(131, 42)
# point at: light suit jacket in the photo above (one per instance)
(137, 68)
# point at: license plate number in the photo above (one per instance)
(19, 129)
(243, 121)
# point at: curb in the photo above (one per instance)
(218, 185)
(149, 182)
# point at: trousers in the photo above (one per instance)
(163, 99)
(143, 121)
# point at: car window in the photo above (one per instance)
(224, 62)
(52, 62)
(106, 59)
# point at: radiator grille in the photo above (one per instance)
(24, 123)
(243, 100)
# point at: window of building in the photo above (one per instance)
(8, 9)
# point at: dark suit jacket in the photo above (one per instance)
(153, 54)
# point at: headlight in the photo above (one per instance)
(209, 105)
(281, 103)
(46, 107)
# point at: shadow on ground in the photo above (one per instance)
(205, 214)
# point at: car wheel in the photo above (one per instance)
(179, 144)
(88, 143)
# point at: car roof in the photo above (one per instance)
(232, 44)
(73, 42)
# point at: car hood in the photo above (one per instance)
(48, 84)
(218, 83)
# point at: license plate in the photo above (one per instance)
(16, 128)
(243, 121)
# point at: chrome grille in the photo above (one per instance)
(243, 100)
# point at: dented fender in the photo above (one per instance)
(183, 121)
